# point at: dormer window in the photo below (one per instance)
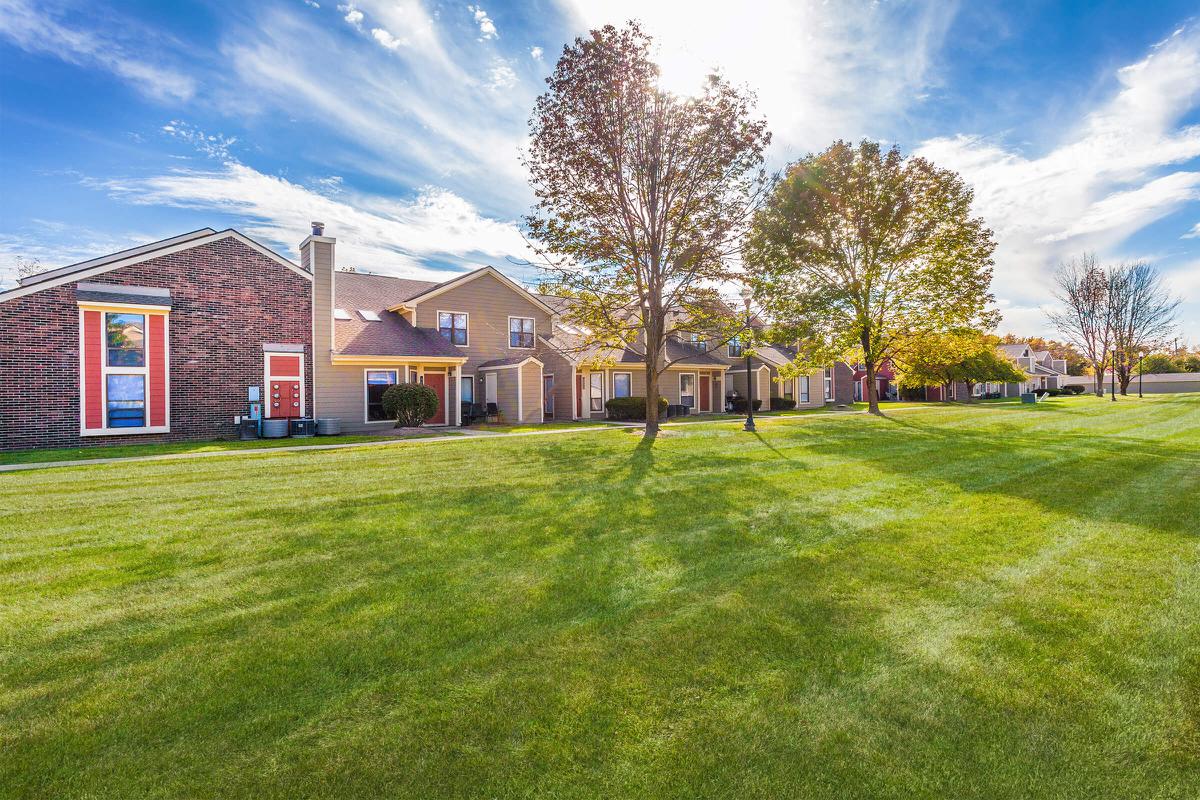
(697, 341)
(341, 313)
(369, 316)
(735, 347)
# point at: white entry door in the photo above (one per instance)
(489, 387)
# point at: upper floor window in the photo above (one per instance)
(126, 337)
(520, 332)
(452, 325)
(735, 347)
(697, 341)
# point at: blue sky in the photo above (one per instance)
(400, 124)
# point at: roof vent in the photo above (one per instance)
(318, 229)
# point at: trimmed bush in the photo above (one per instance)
(1054, 392)
(410, 404)
(782, 404)
(1074, 388)
(632, 408)
(739, 405)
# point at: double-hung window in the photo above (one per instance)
(788, 389)
(803, 388)
(596, 381)
(828, 384)
(687, 389)
(452, 325)
(125, 372)
(697, 341)
(735, 347)
(520, 332)
(622, 384)
(378, 381)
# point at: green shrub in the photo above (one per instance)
(1074, 388)
(410, 404)
(1054, 392)
(782, 404)
(739, 405)
(632, 408)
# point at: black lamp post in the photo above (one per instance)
(747, 295)
(1113, 383)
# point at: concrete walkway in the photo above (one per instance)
(458, 436)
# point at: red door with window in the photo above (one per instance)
(437, 382)
(705, 393)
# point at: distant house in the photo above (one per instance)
(1044, 371)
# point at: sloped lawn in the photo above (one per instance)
(991, 602)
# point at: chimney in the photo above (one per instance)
(317, 256)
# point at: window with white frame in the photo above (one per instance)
(828, 383)
(789, 389)
(520, 332)
(687, 389)
(378, 381)
(125, 370)
(596, 383)
(468, 388)
(803, 388)
(698, 341)
(452, 325)
(622, 384)
(735, 347)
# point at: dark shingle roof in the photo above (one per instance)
(391, 335)
(133, 295)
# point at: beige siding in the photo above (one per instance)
(506, 394)
(489, 303)
(564, 373)
(531, 392)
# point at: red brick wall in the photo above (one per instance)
(227, 300)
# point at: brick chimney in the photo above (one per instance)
(317, 256)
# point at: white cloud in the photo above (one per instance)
(213, 145)
(312, 3)
(1194, 233)
(385, 38)
(536, 53)
(487, 28)
(353, 15)
(400, 237)
(35, 30)
(1103, 182)
(501, 76)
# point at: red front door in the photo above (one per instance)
(437, 382)
(705, 393)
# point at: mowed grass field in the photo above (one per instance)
(998, 601)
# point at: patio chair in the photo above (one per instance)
(493, 412)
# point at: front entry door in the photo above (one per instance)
(548, 396)
(705, 393)
(437, 382)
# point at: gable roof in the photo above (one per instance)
(377, 293)
(1014, 350)
(439, 288)
(136, 255)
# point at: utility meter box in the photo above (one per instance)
(254, 395)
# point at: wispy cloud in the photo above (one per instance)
(487, 28)
(1107, 179)
(435, 230)
(38, 29)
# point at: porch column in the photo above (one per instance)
(454, 374)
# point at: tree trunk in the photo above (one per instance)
(970, 390)
(651, 390)
(872, 388)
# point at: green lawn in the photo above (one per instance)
(960, 602)
(127, 450)
(497, 427)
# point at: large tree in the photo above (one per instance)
(1087, 317)
(962, 356)
(642, 196)
(1143, 314)
(859, 250)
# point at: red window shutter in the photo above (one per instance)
(93, 363)
(158, 369)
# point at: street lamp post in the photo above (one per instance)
(747, 295)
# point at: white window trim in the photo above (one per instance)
(695, 388)
(366, 398)
(104, 430)
(462, 378)
(509, 332)
(437, 321)
(267, 376)
(806, 394)
(614, 383)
